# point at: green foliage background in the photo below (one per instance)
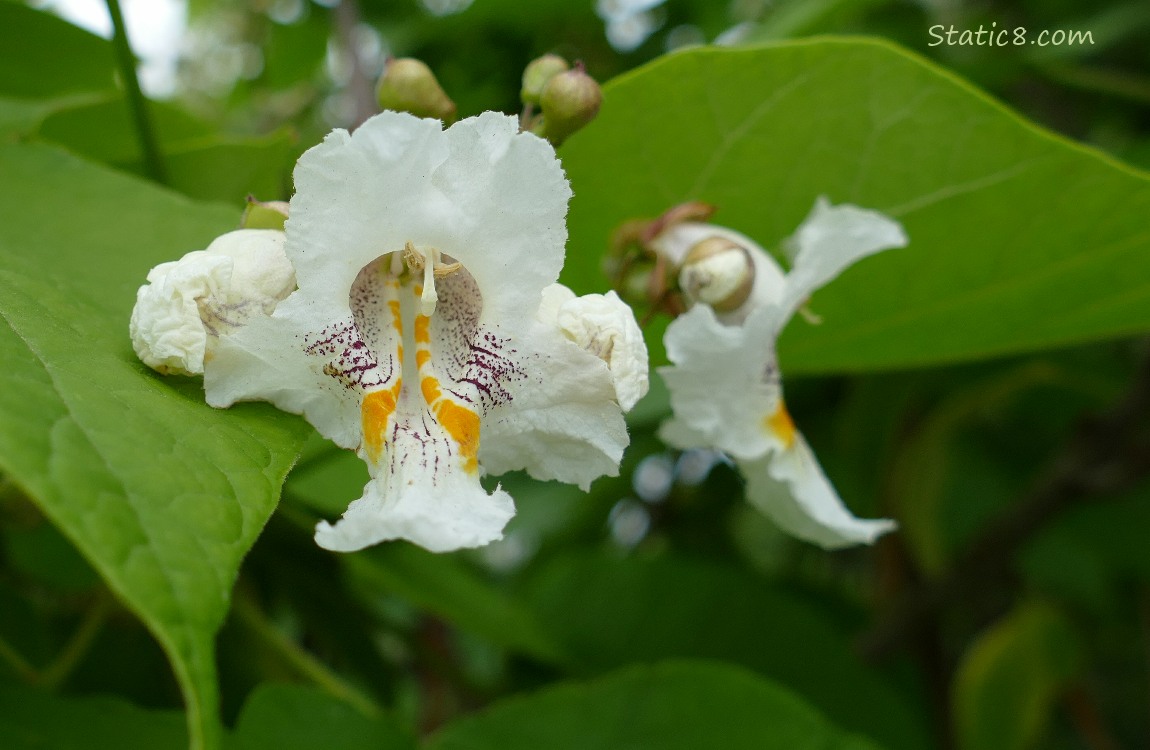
(988, 387)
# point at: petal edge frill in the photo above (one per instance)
(562, 422)
(723, 383)
(790, 488)
(829, 240)
(452, 512)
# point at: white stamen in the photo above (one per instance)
(810, 316)
(429, 298)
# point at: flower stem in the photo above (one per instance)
(300, 660)
(348, 19)
(126, 62)
(23, 669)
(79, 644)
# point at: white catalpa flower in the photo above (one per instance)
(416, 336)
(189, 303)
(724, 380)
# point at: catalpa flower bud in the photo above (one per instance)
(264, 214)
(719, 272)
(569, 101)
(408, 85)
(538, 74)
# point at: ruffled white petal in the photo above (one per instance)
(274, 359)
(167, 332)
(725, 395)
(560, 422)
(439, 511)
(790, 488)
(480, 192)
(723, 383)
(605, 326)
(829, 240)
(188, 303)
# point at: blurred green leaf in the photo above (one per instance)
(43, 554)
(200, 164)
(295, 52)
(35, 720)
(42, 56)
(1109, 25)
(102, 129)
(229, 170)
(923, 470)
(1019, 239)
(670, 706)
(161, 494)
(788, 20)
(20, 118)
(327, 481)
(444, 585)
(1083, 555)
(294, 717)
(1010, 677)
(609, 612)
(22, 635)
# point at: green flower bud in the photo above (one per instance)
(408, 85)
(538, 73)
(264, 214)
(718, 272)
(569, 101)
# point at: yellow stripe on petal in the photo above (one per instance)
(430, 388)
(462, 425)
(396, 320)
(375, 411)
(422, 329)
(780, 425)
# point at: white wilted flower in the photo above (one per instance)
(416, 335)
(189, 303)
(605, 326)
(726, 391)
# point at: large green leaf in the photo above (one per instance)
(671, 706)
(1010, 677)
(609, 612)
(1019, 238)
(163, 495)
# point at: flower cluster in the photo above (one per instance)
(425, 329)
(410, 312)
